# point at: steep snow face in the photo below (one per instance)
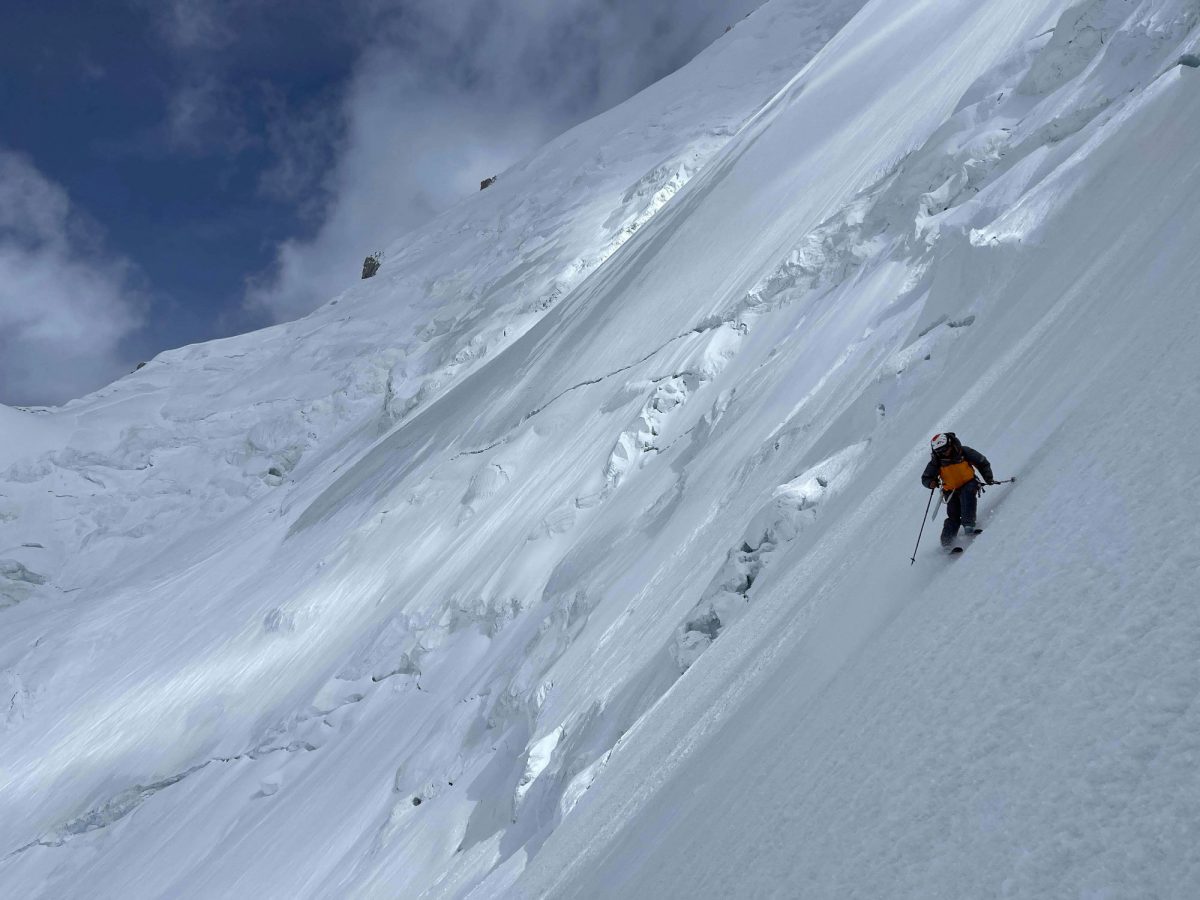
(149, 618)
(200, 432)
(569, 556)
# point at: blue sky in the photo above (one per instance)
(175, 171)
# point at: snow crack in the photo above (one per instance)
(710, 324)
(127, 801)
(794, 506)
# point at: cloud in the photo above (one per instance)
(65, 306)
(210, 111)
(408, 153)
(303, 143)
(206, 115)
(194, 24)
(444, 94)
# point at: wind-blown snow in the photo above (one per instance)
(569, 555)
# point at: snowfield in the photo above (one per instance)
(569, 556)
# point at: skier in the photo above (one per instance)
(957, 469)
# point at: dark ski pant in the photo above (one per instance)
(960, 510)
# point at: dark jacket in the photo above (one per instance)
(978, 461)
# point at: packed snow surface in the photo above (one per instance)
(569, 556)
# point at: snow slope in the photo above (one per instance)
(569, 556)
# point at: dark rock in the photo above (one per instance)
(488, 182)
(370, 266)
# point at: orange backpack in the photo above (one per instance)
(955, 475)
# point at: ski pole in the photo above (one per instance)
(924, 516)
(1005, 481)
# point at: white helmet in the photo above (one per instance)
(939, 441)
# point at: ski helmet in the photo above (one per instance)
(939, 441)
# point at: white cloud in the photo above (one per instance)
(204, 115)
(446, 94)
(302, 139)
(192, 24)
(64, 306)
(407, 155)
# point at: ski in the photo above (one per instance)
(954, 551)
